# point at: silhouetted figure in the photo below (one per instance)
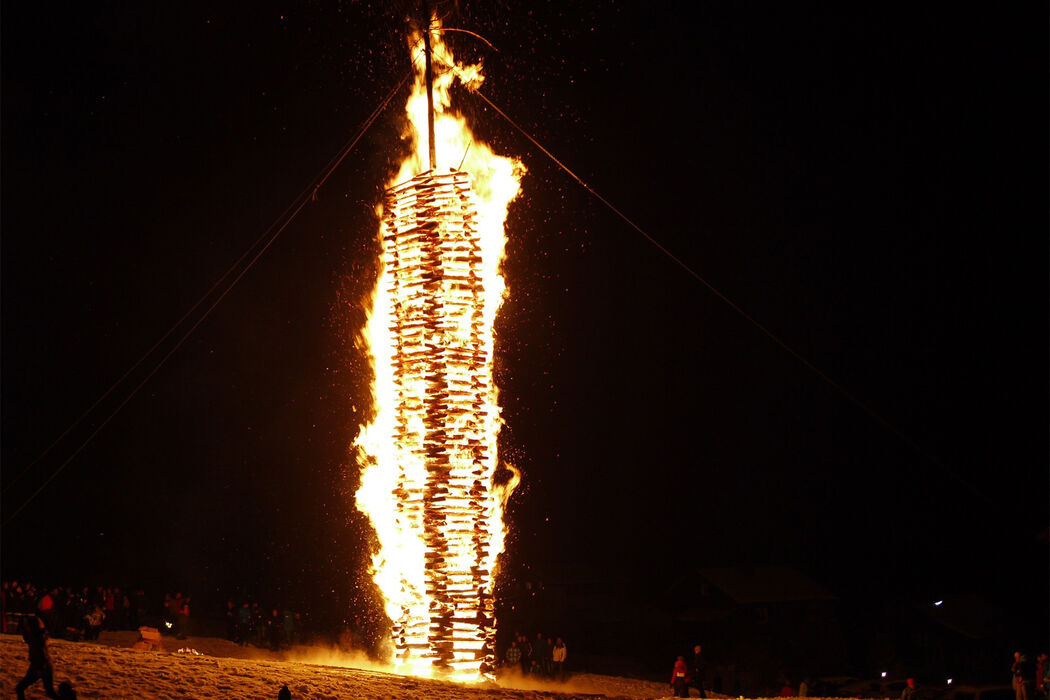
(909, 690)
(231, 621)
(244, 624)
(182, 624)
(35, 634)
(1041, 672)
(1028, 677)
(541, 652)
(284, 693)
(1018, 671)
(697, 669)
(94, 621)
(680, 678)
(526, 654)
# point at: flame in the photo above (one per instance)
(430, 455)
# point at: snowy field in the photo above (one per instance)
(111, 669)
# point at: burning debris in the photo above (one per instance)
(431, 451)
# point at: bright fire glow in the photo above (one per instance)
(429, 456)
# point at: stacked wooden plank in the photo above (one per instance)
(442, 373)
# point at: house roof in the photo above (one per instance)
(765, 584)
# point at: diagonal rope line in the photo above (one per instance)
(871, 413)
(297, 205)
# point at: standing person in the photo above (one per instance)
(680, 678)
(244, 623)
(558, 655)
(273, 630)
(697, 670)
(909, 690)
(3, 606)
(1041, 672)
(526, 654)
(46, 606)
(1017, 669)
(231, 621)
(289, 627)
(94, 619)
(183, 625)
(540, 653)
(1028, 677)
(512, 657)
(110, 608)
(35, 634)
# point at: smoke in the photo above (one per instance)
(336, 656)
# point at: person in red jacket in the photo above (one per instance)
(680, 678)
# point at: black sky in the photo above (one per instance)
(869, 182)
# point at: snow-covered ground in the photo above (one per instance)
(111, 669)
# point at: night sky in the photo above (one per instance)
(867, 181)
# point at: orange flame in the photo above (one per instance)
(430, 454)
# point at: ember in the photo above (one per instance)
(431, 451)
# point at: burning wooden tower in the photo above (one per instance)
(431, 451)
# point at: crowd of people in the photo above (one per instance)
(252, 623)
(543, 656)
(71, 613)
(1031, 677)
(77, 614)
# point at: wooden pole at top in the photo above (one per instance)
(430, 85)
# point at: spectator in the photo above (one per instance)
(183, 626)
(512, 657)
(697, 670)
(35, 634)
(273, 630)
(1041, 674)
(1017, 669)
(526, 654)
(540, 654)
(680, 678)
(231, 621)
(46, 606)
(110, 608)
(4, 603)
(558, 654)
(909, 690)
(94, 621)
(1028, 677)
(244, 624)
(288, 624)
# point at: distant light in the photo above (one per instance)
(938, 603)
(883, 674)
(949, 681)
(168, 624)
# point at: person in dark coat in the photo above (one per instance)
(541, 653)
(284, 693)
(35, 634)
(697, 668)
(526, 654)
